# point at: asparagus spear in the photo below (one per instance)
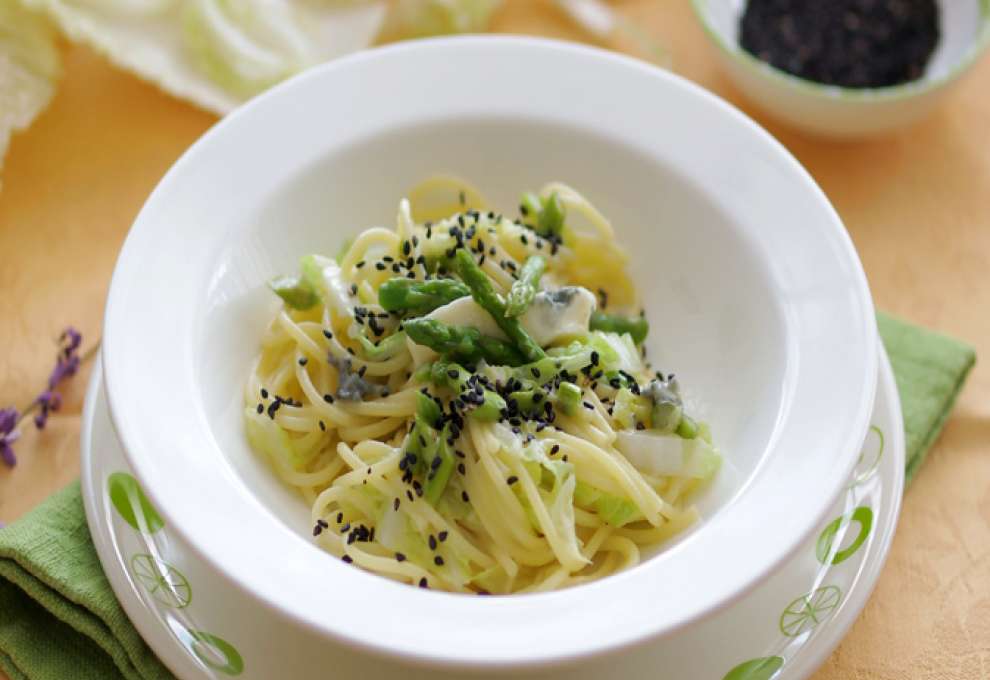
(419, 297)
(461, 343)
(637, 327)
(484, 294)
(524, 289)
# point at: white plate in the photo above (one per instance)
(791, 622)
(759, 298)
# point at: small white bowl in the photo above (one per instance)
(757, 297)
(834, 111)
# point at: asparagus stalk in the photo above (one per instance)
(524, 289)
(484, 294)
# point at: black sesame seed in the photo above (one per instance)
(261, 409)
(264, 393)
(438, 561)
(354, 289)
(327, 334)
(303, 361)
(360, 264)
(511, 480)
(555, 449)
(588, 406)
(399, 557)
(423, 583)
(323, 426)
(461, 468)
(406, 248)
(442, 536)
(328, 398)
(465, 497)
(432, 542)
(340, 517)
(347, 558)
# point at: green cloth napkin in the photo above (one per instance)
(59, 619)
(930, 369)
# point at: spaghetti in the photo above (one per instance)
(464, 403)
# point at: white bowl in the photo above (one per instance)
(847, 112)
(203, 623)
(758, 300)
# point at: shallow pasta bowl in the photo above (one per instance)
(759, 301)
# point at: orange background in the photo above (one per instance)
(917, 205)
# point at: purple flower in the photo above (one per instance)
(66, 364)
(8, 435)
(49, 401)
(67, 361)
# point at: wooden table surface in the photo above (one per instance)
(917, 205)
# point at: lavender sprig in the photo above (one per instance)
(67, 363)
(9, 419)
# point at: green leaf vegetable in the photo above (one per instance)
(265, 435)
(484, 294)
(422, 18)
(455, 377)
(433, 455)
(569, 398)
(427, 410)
(637, 327)
(524, 289)
(614, 510)
(31, 66)
(461, 343)
(440, 464)
(246, 45)
(419, 297)
(294, 291)
(546, 216)
(386, 349)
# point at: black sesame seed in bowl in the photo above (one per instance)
(846, 68)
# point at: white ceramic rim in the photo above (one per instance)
(811, 656)
(149, 356)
